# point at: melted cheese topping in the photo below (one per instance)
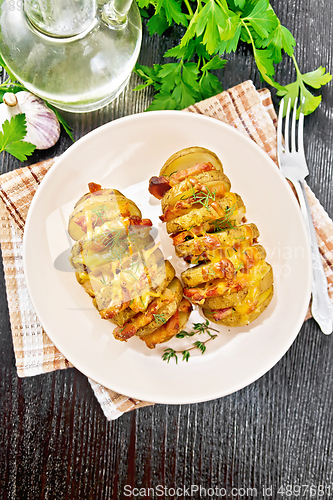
(123, 278)
(89, 224)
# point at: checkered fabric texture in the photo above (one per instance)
(243, 107)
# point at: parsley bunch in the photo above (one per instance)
(213, 28)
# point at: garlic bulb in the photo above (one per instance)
(43, 128)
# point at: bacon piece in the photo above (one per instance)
(221, 313)
(224, 268)
(93, 188)
(128, 220)
(199, 295)
(196, 295)
(210, 242)
(215, 290)
(158, 186)
(135, 220)
(196, 169)
(82, 222)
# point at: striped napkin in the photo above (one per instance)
(243, 107)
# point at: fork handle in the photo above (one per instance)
(321, 305)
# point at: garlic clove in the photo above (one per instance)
(43, 128)
(10, 99)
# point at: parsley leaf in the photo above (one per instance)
(143, 4)
(214, 63)
(12, 135)
(162, 100)
(314, 79)
(231, 44)
(183, 95)
(240, 3)
(211, 19)
(173, 12)
(261, 17)
(317, 78)
(279, 39)
(157, 24)
(209, 85)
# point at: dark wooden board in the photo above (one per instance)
(55, 440)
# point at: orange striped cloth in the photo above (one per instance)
(243, 107)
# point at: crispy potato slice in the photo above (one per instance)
(97, 210)
(130, 279)
(165, 312)
(186, 188)
(84, 258)
(188, 157)
(176, 323)
(235, 318)
(231, 299)
(228, 299)
(211, 241)
(207, 272)
(102, 192)
(228, 209)
(121, 318)
(219, 268)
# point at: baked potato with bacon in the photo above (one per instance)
(229, 278)
(122, 269)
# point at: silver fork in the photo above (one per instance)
(294, 167)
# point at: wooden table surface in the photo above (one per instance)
(55, 440)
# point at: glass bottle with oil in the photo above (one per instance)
(77, 54)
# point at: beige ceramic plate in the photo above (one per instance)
(124, 154)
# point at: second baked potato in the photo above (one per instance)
(230, 278)
(119, 265)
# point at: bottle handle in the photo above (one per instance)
(114, 13)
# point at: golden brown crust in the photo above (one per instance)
(230, 277)
(194, 184)
(236, 319)
(119, 265)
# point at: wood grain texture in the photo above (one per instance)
(57, 444)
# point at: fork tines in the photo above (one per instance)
(285, 146)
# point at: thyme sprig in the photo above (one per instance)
(198, 328)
